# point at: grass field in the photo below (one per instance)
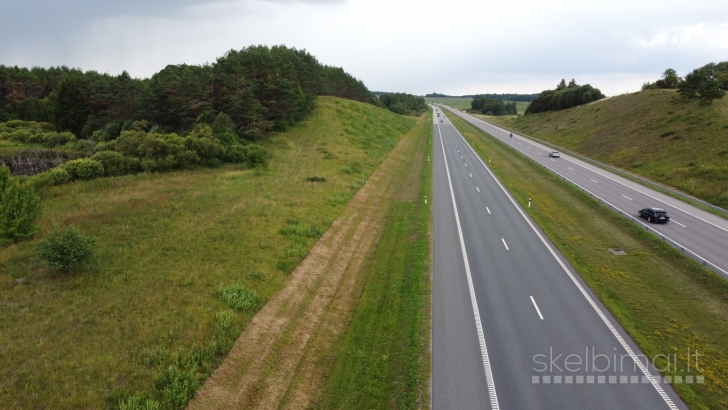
(384, 359)
(463, 103)
(651, 133)
(664, 300)
(142, 317)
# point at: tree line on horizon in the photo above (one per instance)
(564, 96)
(707, 83)
(262, 89)
(403, 103)
(501, 97)
(491, 106)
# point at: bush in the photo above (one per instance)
(58, 176)
(64, 248)
(257, 156)
(236, 154)
(85, 169)
(20, 209)
(113, 162)
(346, 170)
(238, 296)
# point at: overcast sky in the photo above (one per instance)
(454, 47)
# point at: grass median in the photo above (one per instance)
(667, 302)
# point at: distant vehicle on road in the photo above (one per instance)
(554, 154)
(656, 215)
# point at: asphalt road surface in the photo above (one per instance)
(699, 231)
(514, 327)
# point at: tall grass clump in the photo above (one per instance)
(302, 229)
(238, 296)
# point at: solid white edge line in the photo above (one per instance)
(505, 244)
(537, 309)
(476, 312)
(601, 314)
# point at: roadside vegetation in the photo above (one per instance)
(384, 359)
(664, 300)
(653, 133)
(181, 263)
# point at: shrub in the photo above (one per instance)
(257, 156)
(346, 170)
(236, 154)
(58, 176)
(113, 162)
(315, 179)
(84, 168)
(20, 209)
(64, 248)
(238, 296)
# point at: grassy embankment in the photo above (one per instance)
(664, 300)
(384, 359)
(166, 243)
(651, 133)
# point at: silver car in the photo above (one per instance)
(554, 154)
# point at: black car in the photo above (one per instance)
(657, 215)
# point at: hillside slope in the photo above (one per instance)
(142, 318)
(652, 133)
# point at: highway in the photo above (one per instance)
(514, 327)
(701, 232)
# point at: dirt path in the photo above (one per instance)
(281, 359)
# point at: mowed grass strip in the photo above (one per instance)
(384, 358)
(653, 133)
(148, 301)
(664, 300)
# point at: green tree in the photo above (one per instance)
(670, 79)
(70, 112)
(561, 85)
(703, 84)
(20, 209)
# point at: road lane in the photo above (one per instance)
(512, 269)
(699, 231)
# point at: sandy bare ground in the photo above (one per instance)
(281, 359)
